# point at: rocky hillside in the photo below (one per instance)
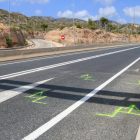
(127, 28)
(59, 21)
(86, 36)
(16, 36)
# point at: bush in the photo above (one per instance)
(91, 25)
(26, 43)
(125, 31)
(59, 41)
(2, 29)
(61, 27)
(15, 28)
(8, 41)
(78, 25)
(135, 35)
(70, 25)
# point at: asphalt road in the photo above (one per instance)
(92, 95)
(40, 43)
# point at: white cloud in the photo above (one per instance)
(80, 15)
(105, 2)
(38, 12)
(15, 3)
(122, 21)
(129, 11)
(108, 11)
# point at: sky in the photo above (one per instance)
(117, 10)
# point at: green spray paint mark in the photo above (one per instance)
(37, 98)
(134, 83)
(121, 110)
(86, 77)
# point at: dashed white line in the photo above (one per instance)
(44, 128)
(57, 56)
(58, 65)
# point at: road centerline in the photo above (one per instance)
(44, 128)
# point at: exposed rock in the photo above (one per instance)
(86, 36)
(16, 36)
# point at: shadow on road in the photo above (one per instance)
(72, 93)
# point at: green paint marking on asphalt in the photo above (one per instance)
(37, 98)
(134, 83)
(86, 77)
(120, 111)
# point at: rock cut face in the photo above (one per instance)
(16, 36)
(87, 36)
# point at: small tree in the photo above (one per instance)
(104, 21)
(44, 26)
(90, 22)
(91, 25)
(8, 41)
(78, 25)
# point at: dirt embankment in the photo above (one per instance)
(16, 36)
(86, 36)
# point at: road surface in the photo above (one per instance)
(40, 43)
(92, 95)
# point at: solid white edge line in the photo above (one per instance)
(60, 56)
(138, 134)
(58, 65)
(38, 132)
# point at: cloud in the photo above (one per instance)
(105, 2)
(122, 21)
(38, 12)
(15, 3)
(108, 11)
(80, 15)
(129, 11)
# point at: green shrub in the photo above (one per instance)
(59, 41)
(125, 31)
(8, 41)
(61, 27)
(15, 28)
(135, 35)
(78, 25)
(2, 29)
(79, 31)
(26, 43)
(91, 25)
(70, 25)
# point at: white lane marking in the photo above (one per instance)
(5, 95)
(60, 56)
(138, 134)
(58, 65)
(38, 132)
